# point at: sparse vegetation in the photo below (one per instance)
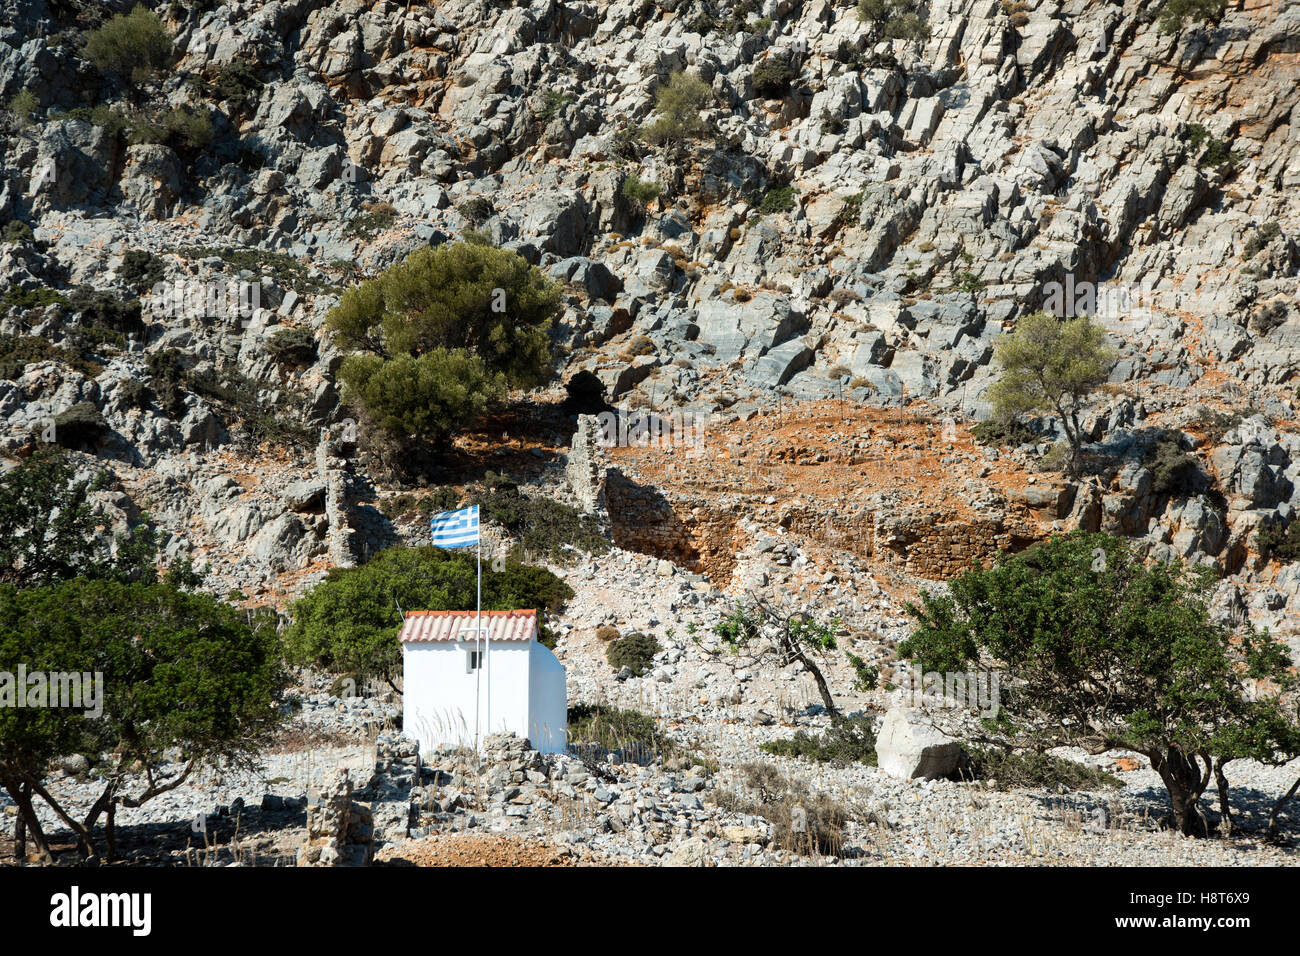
(543, 527)
(1260, 238)
(1011, 770)
(680, 105)
(634, 651)
(802, 821)
(641, 191)
(375, 218)
(134, 46)
(1174, 14)
(1216, 152)
(850, 740)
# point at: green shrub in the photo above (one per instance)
(348, 623)
(641, 191)
(552, 102)
(15, 230)
(1279, 540)
(235, 83)
(1216, 152)
(970, 282)
(895, 19)
(82, 424)
(166, 379)
(142, 270)
(1261, 238)
(1173, 470)
(598, 727)
(477, 210)
(680, 105)
(448, 331)
(544, 527)
(133, 393)
(421, 397)
(104, 310)
(1031, 769)
(292, 346)
(778, 199)
(703, 25)
(998, 433)
(1175, 13)
(772, 77)
(849, 740)
(634, 651)
(134, 46)
(23, 106)
(186, 129)
(19, 351)
(441, 499)
(16, 297)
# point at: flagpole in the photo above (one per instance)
(487, 657)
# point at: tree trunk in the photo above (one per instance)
(1185, 783)
(1277, 808)
(110, 832)
(1225, 808)
(20, 837)
(85, 844)
(29, 824)
(792, 647)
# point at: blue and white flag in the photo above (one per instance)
(455, 529)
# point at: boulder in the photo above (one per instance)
(909, 746)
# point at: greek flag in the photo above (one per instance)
(455, 529)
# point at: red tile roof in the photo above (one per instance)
(422, 627)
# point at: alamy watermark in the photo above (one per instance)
(976, 690)
(624, 428)
(72, 690)
(236, 301)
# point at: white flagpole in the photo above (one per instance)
(478, 646)
(479, 624)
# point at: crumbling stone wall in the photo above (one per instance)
(340, 830)
(927, 544)
(585, 469)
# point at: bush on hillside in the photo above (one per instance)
(134, 46)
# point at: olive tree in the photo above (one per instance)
(182, 673)
(442, 334)
(1095, 649)
(1050, 365)
(794, 636)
